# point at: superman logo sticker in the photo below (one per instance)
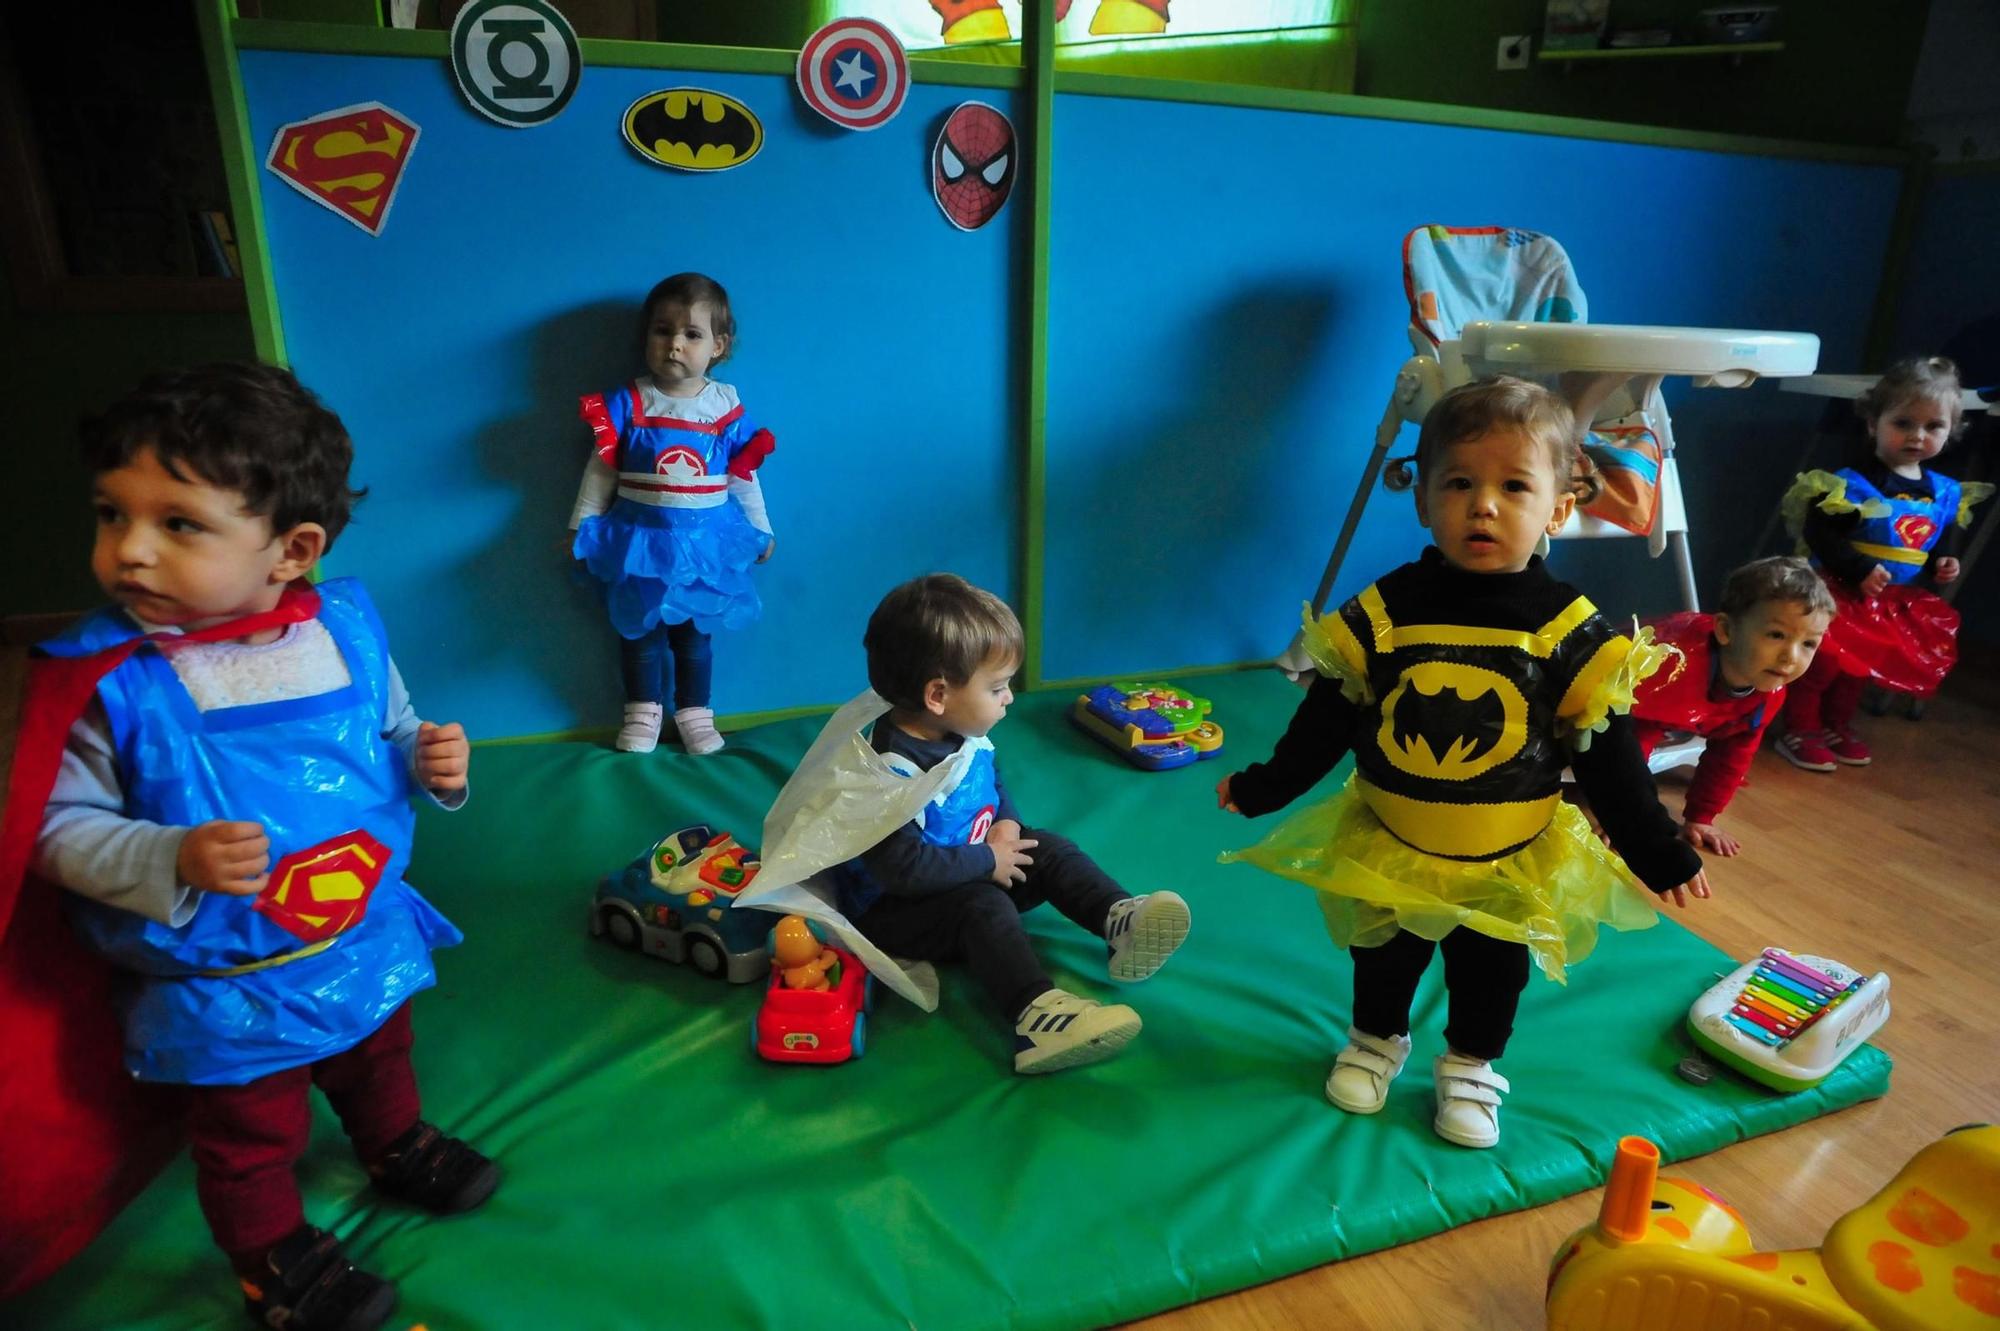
(1914, 530)
(323, 890)
(350, 161)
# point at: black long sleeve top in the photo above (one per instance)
(1612, 771)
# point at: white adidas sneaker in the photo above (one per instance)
(1143, 933)
(1060, 1030)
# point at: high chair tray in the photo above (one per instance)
(1638, 349)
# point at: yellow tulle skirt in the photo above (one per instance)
(1552, 895)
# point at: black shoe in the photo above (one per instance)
(439, 1173)
(307, 1285)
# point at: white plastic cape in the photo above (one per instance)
(844, 799)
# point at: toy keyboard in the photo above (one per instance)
(1788, 1019)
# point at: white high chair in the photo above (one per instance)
(1491, 300)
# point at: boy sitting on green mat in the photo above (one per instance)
(953, 884)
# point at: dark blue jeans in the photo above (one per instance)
(676, 655)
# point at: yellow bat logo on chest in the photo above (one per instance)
(1445, 721)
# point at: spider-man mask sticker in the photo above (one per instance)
(972, 164)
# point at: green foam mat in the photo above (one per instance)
(659, 1175)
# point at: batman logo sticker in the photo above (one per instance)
(1446, 721)
(693, 129)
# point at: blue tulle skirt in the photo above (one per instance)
(667, 565)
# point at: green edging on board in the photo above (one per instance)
(603, 734)
(1465, 117)
(239, 167)
(1039, 42)
(347, 39)
(335, 38)
(1178, 672)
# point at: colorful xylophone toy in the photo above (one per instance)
(1788, 1019)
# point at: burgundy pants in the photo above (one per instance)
(1823, 698)
(247, 1138)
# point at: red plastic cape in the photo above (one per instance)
(78, 1137)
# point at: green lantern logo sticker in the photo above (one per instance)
(516, 61)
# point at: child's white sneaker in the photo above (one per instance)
(1143, 933)
(1359, 1082)
(1060, 1030)
(697, 727)
(641, 731)
(1468, 1099)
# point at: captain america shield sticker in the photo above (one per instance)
(854, 73)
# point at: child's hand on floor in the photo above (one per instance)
(1696, 886)
(443, 756)
(1709, 837)
(1222, 796)
(1010, 860)
(219, 856)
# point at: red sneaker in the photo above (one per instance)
(1847, 746)
(1807, 749)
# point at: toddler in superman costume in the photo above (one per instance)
(219, 770)
(1736, 665)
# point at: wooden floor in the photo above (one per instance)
(1892, 867)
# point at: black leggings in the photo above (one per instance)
(1483, 975)
(979, 923)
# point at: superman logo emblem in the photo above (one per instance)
(1915, 530)
(350, 161)
(323, 890)
(693, 129)
(1450, 722)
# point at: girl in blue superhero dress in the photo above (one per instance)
(1464, 683)
(670, 515)
(1874, 529)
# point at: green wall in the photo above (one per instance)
(63, 367)
(1843, 77)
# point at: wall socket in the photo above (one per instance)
(1513, 52)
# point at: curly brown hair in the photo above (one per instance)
(241, 426)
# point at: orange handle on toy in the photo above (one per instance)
(1628, 1196)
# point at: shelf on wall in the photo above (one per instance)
(1659, 52)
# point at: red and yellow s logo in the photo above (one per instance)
(350, 160)
(323, 890)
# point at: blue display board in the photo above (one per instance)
(873, 340)
(1227, 317)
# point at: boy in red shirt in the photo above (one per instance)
(1739, 660)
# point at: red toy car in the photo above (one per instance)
(816, 1025)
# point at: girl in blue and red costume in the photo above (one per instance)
(670, 515)
(1874, 529)
(1735, 666)
(219, 769)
